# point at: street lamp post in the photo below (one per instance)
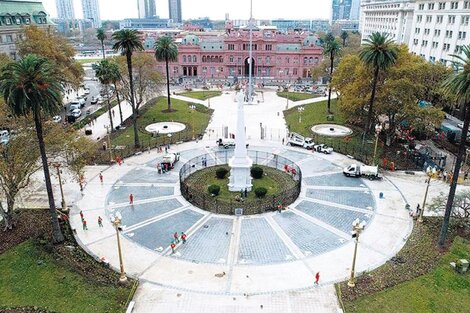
(108, 132)
(430, 173)
(357, 228)
(57, 167)
(300, 110)
(116, 221)
(378, 129)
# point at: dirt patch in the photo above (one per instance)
(24, 310)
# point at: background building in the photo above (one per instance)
(174, 8)
(91, 11)
(355, 10)
(65, 9)
(341, 10)
(146, 8)
(393, 17)
(13, 16)
(144, 23)
(310, 25)
(432, 29)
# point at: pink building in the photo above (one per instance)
(276, 56)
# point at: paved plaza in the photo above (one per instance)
(262, 262)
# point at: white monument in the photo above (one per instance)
(240, 163)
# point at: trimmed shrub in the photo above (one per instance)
(256, 172)
(221, 172)
(214, 190)
(260, 192)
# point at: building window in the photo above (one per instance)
(440, 18)
(231, 46)
(424, 43)
(448, 34)
(437, 32)
(442, 5)
(184, 59)
(419, 18)
(466, 5)
(268, 60)
(8, 21)
(446, 47)
(421, 6)
(239, 60)
(9, 38)
(428, 18)
(462, 35)
(415, 41)
(269, 47)
(464, 20)
(426, 31)
(430, 6)
(294, 71)
(194, 58)
(231, 59)
(417, 30)
(451, 19)
(435, 44)
(454, 5)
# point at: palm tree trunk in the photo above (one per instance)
(332, 59)
(102, 49)
(57, 236)
(134, 109)
(168, 84)
(371, 105)
(455, 177)
(109, 112)
(119, 103)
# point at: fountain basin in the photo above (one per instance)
(332, 130)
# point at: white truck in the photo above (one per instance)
(323, 149)
(226, 143)
(169, 160)
(355, 170)
(295, 139)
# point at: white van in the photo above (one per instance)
(4, 137)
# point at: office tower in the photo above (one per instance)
(65, 9)
(174, 7)
(91, 11)
(146, 8)
(355, 9)
(341, 10)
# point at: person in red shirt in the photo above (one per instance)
(183, 237)
(173, 246)
(101, 177)
(317, 278)
(175, 237)
(131, 199)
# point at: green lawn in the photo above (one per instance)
(275, 181)
(297, 96)
(85, 61)
(196, 122)
(441, 290)
(30, 277)
(201, 95)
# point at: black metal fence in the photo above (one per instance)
(250, 206)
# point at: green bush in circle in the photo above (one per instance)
(214, 190)
(260, 192)
(221, 172)
(256, 172)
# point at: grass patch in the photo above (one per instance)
(419, 279)
(275, 182)
(196, 122)
(296, 96)
(201, 95)
(31, 277)
(85, 61)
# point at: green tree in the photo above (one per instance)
(101, 36)
(127, 41)
(116, 77)
(104, 74)
(344, 36)
(458, 85)
(32, 86)
(166, 50)
(332, 50)
(379, 53)
(57, 49)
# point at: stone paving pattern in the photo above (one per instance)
(358, 199)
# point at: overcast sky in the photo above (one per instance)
(215, 9)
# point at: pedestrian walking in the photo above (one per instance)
(175, 237)
(85, 227)
(101, 177)
(444, 176)
(113, 113)
(131, 198)
(173, 246)
(100, 221)
(465, 175)
(183, 237)
(81, 216)
(317, 278)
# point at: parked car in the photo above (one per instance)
(57, 119)
(295, 139)
(87, 91)
(74, 106)
(94, 100)
(323, 148)
(76, 113)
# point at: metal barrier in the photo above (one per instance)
(249, 206)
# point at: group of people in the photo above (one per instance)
(176, 240)
(84, 222)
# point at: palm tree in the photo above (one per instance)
(127, 42)
(115, 78)
(344, 36)
(379, 52)
(101, 36)
(103, 73)
(166, 50)
(32, 86)
(458, 85)
(332, 49)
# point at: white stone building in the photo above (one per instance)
(440, 29)
(433, 29)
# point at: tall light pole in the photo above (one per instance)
(378, 129)
(108, 132)
(430, 172)
(357, 228)
(57, 167)
(250, 60)
(300, 110)
(116, 221)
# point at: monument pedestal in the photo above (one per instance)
(240, 176)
